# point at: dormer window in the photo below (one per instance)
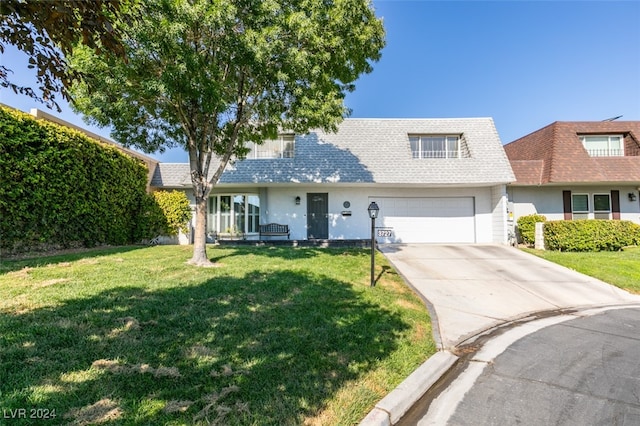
(282, 147)
(603, 145)
(436, 146)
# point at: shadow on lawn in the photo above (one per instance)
(44, 259)
(269, 348)
(285, 253)
(216, 254)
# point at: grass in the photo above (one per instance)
(275, 336)
(619, 268)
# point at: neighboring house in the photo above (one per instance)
(577, 170)
(435, 181)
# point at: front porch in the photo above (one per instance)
(351, 243)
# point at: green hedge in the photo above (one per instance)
(527, 227)
(175, 209)
(59, 188)
(151, 221)
(590, 235)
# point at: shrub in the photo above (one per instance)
(590, 235)
(151, 219)
(176, 209)
(527, 227)
(60, 188)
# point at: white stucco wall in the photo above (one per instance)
(282, 209)
(499, 215)
(277, 204)
(547, 201)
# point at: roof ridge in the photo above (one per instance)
(554, 149)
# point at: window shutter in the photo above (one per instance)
(566, 204)
(615, 204)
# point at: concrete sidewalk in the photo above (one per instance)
(473, 288)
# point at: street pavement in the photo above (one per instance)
(572, 370)
(473, 289)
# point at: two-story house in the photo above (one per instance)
(577, 170)
(434, 180)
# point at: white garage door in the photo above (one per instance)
(427, 220)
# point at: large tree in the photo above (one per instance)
(48, 30)
(210, 76)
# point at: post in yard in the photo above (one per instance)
(373, 214)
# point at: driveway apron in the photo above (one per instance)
(472, 288)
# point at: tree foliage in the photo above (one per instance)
(209, 76)
(48, 30)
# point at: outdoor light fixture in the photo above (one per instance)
(297, 201)
(632, 196)
(373, 210)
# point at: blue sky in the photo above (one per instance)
(526, 64)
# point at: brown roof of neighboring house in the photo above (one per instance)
(555, 154)
(529, 171)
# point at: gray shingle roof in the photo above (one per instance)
(171, 175)
(370, 151)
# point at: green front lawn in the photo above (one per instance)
(620, 268)
(275, 336)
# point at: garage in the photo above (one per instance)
(426, 219)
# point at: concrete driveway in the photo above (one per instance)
(472, 288)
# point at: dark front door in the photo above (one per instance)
(318, 216)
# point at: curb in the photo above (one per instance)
(396, 404)
(392, 407)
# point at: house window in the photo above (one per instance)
(212, 215)
(282, 147)
(435, 146)
(225, 224)
(601, 206)
(253, 213)
(234, 212)
(240, 212)
(580, 206)
(604, 145)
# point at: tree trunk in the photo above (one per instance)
(200, 257)
(199, 162)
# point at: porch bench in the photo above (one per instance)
(274, 230)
